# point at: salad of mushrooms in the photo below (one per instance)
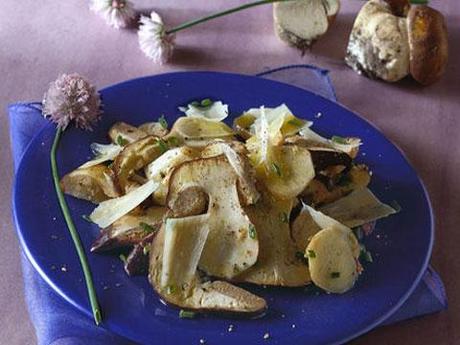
(203, 206)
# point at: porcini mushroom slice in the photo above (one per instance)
(216, 296)
(94, 183)
(332, 259)
(232, 244)
(288, 171)
(154, 128)
(122, 133)
(235, 153)
(278, 262)
(357, 208)
(300, 23)
(136, 156)
(191, 201)
(428, 44)
(129, 229)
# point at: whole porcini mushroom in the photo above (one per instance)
(392, 39)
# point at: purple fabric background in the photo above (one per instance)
(40, 39)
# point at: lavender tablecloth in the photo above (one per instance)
(56, 322)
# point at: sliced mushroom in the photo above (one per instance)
(318, 193)
(288, 172)
(190, 201)
(235, 152)
(123, 133)
(136, 156)
(137, 262)
(300, 23)
(278, 262)
(130, 229)
(199, 131)
(185, 289)
(94, 183)
(154, 128)
(333, 259)
(428, 44)
(232, 244)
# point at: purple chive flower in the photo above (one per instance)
(70, 98)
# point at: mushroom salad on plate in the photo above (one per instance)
(204, 206)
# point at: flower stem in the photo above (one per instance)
(220, 14)
(73, 232)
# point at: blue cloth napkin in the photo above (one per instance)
(58, 323)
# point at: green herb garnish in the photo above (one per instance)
(365, 254)
(339, 140)
(252, 231)
(173, 141)
(186, 314)
(276, 169)
(162, 145)
(419, 2)
(163, 122)
(146, 249)
(311, 254)
(121, 141)
(359, 233)
(284, 218)
(146, 227)
(123, 258)
(195, 104)
(335, 275)
(170, 289)
(206, 102)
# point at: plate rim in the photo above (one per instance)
(356, 334)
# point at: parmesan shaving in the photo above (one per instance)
(217, 111)
(102, 153)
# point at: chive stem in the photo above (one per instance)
(219, 14)
(73, 231)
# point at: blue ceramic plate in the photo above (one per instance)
(401, 244)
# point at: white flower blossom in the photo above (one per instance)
(117, 13)
(71, 98)
(153, 39)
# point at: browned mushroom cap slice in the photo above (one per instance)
(232, 244)
(137, 262)
(180, 285)
(122, 133)
(129, 229)
(399, 8)
(94, 183)
(190, 201)
(278, 262)
(134, 157)
(428, 44)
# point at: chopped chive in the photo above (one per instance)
(173, 141)
(339, 140)
(121, 141)
(146, 249)
(170, 289)
(123, 258)
(206, 102)
(146, 227)
(284, 217)
(365, 254)
(311, 254)
(163, 122)
(252, 231)
(186, 314)
(359, 233)
(335, 275)
(419, 2)
(87, 218)
(276, 169)
(162, 145)
(195, 104)
(295, 122)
